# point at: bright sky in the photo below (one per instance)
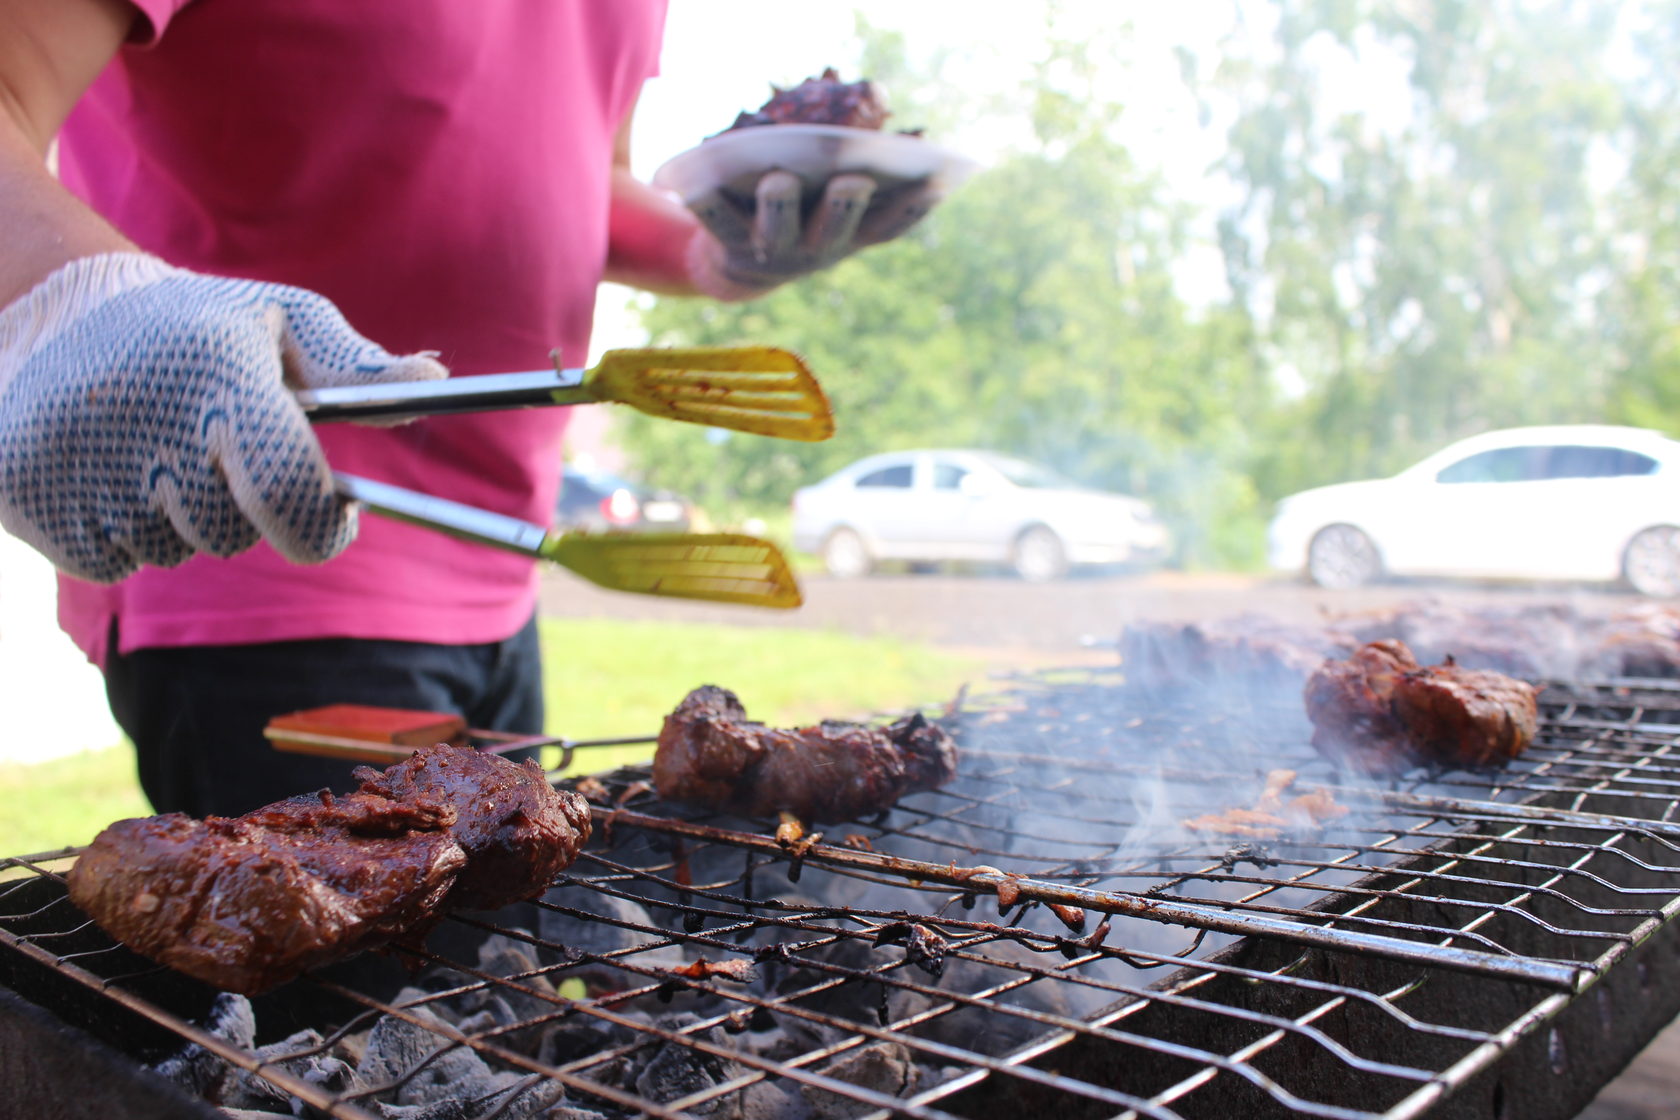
(721, 56)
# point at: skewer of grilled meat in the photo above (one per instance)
(247, 903)
(711, 755)
(1383, 712)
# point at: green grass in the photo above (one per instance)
(66, 800)
(604, 679)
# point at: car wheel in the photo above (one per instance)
(1039, 556)
(1341, 556)
(845, 555)
(1651, 562)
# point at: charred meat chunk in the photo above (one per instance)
(247, 903)
(1384, 713)
(711, 755)
(516, 829)
(821, 100)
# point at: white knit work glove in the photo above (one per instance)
(146, 414)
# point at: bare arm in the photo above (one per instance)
(650, 233)
(50, 52)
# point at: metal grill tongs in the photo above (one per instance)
(721, 567)
(763, 390)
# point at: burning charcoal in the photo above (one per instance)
(884, 1067)
(678, 1070)
(567, 1039)
(569, 933)
(983, 1029)
(505, 956)
(251, 1090)
(196, 1069)
(517, 1096)
(780, 1037)
(859, 998)
(768, 1100)
(528, 997)
(436, 1110)
(420, 1064)
(493, 1013)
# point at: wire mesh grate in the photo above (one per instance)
(1044, 933)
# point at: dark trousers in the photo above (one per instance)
(196, 714)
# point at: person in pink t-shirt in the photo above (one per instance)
(239, 182)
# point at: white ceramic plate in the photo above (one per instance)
(814, 152)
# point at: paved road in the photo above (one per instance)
(1004, 614)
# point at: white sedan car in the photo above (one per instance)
(975, 506)
(1576, 502)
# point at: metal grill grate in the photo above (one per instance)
(1040, 935)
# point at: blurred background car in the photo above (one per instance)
(1575, 502)
(936, 506)
(596, 499)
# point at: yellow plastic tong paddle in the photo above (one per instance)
(722, 567)
(758, 389)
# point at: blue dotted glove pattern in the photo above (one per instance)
(161, 423)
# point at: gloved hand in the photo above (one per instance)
(749, 253)
(145, 415)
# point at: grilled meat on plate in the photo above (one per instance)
(821, 100)
(247, 903)
(711, 755)
(1384, 713)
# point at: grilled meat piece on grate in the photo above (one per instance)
(1385, 713)
(711, 755)
(1248, 650)
(517, 830)
(821, 100)
(247, 903)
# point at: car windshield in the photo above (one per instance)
(1032, 476)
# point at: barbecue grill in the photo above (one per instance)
(1041, 937)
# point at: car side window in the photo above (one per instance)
(1503, 464)
(948, 476)
(1596, 462)
(895, 478)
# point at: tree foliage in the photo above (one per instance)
(1034, 312)
(1439, 216)
(1430, 272)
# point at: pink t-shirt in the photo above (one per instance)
(440, 171)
